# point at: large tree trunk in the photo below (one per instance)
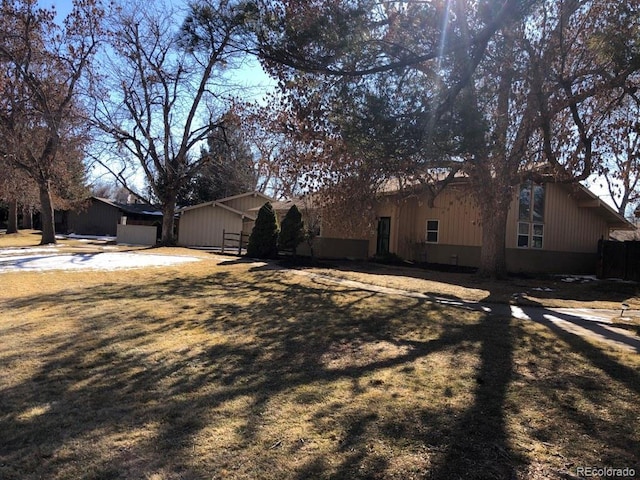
(27, 218)
(168, 214)
(494, 212)
(46, 215)
(12, 222)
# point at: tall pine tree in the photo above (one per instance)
(229, 169)
(263, 242)
(291, 231)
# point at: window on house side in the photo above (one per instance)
(531, 215)
(538, 234)
(524, 207)
(523, 235)
(537, 213)
(432, 231)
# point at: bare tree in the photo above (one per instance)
(42, 67)
(160, 97)
(619, 142)
(276, 152)
(18, 190)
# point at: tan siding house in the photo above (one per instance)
(204, 224)
(552, 228)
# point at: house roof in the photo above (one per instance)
(282, 205)
(625, 235)
(214, 204)
(132, 208)
(248, 194)
(222, 204)
(584, 197)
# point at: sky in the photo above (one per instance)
(250, 76)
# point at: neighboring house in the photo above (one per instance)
(102, 216)
(551, 228)
(204, 224)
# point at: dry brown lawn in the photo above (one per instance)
(231, 369)
(547, 291)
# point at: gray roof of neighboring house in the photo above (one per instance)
(133, 208)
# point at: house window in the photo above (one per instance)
(432, 231)
(537, 235)
(523, 234)
(531, 215)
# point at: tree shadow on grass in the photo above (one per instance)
(99, 383)
(276, 339)
(541, 286)
(591, 353)
(479, 446)
(598, 395)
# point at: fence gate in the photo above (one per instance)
(234, 240)
(619, 260)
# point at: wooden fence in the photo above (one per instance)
(619, 260)
(235, 241)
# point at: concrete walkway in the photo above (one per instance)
(587, 323)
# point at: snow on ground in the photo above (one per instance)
(86, 238)
(18, 260)
(20, 251)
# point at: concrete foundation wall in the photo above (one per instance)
(137, 234)
(335, 248)
(462, 255)
(519, 260)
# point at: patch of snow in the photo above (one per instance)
(578, 278)
(89, 261)
(104, 238)
(19, 251)
(545, 289)
(517, 312)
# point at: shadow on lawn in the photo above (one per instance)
(589, 290)
(101, 383)
(607, 380)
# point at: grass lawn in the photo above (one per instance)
(227, 369)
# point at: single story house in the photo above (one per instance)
(323, 246)
(204, 224)
(102, 216)
(551, 227)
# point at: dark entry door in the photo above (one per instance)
(384, 233)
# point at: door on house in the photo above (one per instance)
(384, 234)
